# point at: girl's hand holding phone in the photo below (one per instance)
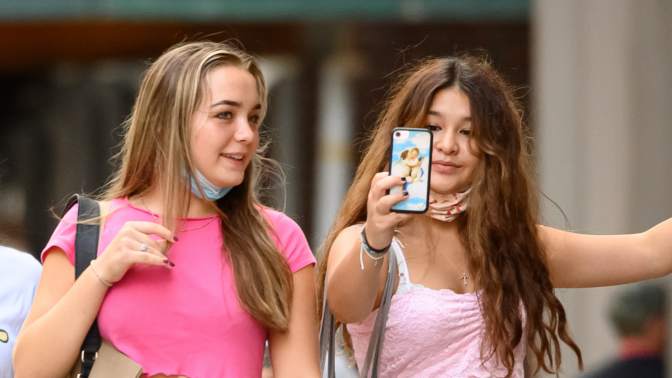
(380, 220)
(133, 245)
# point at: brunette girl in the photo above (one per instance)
(476, 273)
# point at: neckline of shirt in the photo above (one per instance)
(129, 204)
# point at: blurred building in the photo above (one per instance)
(69, 72)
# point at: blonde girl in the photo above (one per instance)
(193, 275)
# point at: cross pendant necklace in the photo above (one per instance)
(464, 278)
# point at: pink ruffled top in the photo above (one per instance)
(432, 333)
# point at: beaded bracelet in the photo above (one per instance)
(374, 254)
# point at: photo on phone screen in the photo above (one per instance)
(412, 158)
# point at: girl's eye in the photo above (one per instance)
(225, 115)
(254, 119)
(433, 127)
(465, 132)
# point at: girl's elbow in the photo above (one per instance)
(25, 366)
(23, 370)
(350, 315)
(17, 360)
(31, 370)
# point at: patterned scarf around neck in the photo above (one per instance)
(445, 207)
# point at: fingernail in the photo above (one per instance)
(405, 192)
(166, 261)
(403, 179)
(172, 265)
(175, 238)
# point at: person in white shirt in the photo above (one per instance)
(19, 276)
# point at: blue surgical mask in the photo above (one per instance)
(212, 192)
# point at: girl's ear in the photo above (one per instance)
(403, 154)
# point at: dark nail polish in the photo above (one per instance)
(405, 193)
(172, 265)
(166, 261)
(175, 238)
(403, 179)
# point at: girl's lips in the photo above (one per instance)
(242, 161)
(447, 163)
(445, 166)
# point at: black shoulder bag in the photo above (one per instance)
(109, 362)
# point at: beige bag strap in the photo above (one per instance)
(328, 330)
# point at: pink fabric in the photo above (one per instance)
(432, 333)
(184, 321)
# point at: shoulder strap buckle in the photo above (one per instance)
(91, 356)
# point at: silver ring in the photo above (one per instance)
(143, 247)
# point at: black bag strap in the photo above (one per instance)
(86, 248)
(328, 334)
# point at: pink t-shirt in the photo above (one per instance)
(185, 320)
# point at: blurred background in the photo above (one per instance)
(594, 78)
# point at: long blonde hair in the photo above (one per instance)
(156, 155)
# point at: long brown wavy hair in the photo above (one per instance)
(499, 230)
(156, 155)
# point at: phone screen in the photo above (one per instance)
(412, 158)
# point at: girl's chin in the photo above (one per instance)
(228, 182)
(449, 189)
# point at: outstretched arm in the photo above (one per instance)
(576, 260)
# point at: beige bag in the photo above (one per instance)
(108, 362)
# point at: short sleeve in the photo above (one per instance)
(292, 241)
(64, 236)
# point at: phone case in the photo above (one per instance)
(412, 158)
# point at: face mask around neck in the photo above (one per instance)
(212, 192)
(445, 207)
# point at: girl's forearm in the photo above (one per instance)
(353, 291)
(658, 241)
(48, 346)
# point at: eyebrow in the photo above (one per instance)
(437, 114)
(234, 104)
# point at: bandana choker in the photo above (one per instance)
(445, 207)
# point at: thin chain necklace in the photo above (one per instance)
(464, 274)
(156, 217)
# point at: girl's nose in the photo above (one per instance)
(447, 143)
(244, 132)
